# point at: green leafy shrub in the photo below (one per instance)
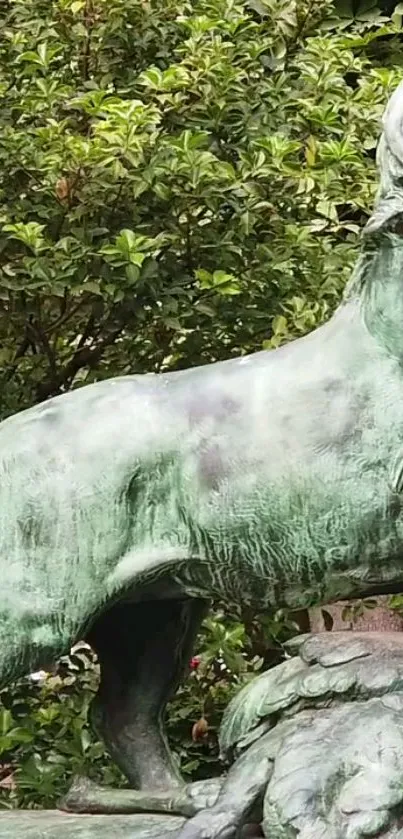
(45, 737)
(180, 181)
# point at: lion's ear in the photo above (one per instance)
(389, 201)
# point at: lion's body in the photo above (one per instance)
(270, 479)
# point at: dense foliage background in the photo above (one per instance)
(179, 182)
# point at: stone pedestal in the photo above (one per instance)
(52, 824)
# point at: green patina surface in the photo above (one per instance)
(273, 479)
(55, 825)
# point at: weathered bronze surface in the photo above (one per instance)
(56, 825)
(327, 728)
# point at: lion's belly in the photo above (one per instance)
(299, 541)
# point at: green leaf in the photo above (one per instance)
(6, 721)
(126, 241)
(92, 286)
(220, 277)
(21, 735)
(279, 325)
(132, 273)
(326, 208)
(172, 323)
(77, 6)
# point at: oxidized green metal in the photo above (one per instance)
(273, 480)
(33, 824)
(327, 728)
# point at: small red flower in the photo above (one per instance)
(194, 662)
(199, 730)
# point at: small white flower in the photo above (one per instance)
(40, 676)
